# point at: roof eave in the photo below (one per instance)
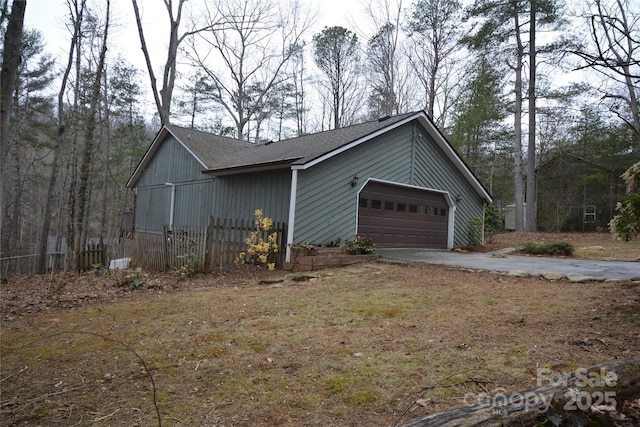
(437, 136)
(160, 137)
(244, 169)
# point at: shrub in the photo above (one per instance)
(474, 233)
(136, 278)
(262, 251)
(359, 246)
(492, 221)
(626, 224)
(191, 262)
(554, 248)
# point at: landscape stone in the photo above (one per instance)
(550, 275)
(578, 278)
(517, 273)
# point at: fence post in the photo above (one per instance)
(165, 246)
(207, 245)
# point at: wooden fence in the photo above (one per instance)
(212, 247)
(93, 254)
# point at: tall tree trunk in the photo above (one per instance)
(164, 95)
(531, 146)
(9, 193)
(57, 150)
(105, 178)
(87, 155)
(11, 59)
(517, 126)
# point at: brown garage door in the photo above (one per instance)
(396, 216)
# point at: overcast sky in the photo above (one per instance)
(49, 17)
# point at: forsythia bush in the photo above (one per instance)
(260, 249)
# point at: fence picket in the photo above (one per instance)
(216, 245)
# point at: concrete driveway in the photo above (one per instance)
(503, 261)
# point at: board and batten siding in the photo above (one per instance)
(238, 196)
(172, 163)
(327, 204)
(433, 169)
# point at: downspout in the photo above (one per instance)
(292, 213)
(451, 220)
(172, 204)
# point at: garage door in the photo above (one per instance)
(396, 216)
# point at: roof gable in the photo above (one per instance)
(226, 156)
(208, 149)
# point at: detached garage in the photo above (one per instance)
(395, 180)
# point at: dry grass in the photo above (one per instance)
(355, 346)
(602, 246)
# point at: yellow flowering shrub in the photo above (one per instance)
(262, 251)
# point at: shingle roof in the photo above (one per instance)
(221, 155)
(210, 149)
(303, 149)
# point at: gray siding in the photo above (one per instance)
(197, 196)
(433, 169)
(172, 163)
(240, 195)
(326, 206)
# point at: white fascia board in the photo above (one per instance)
(415, 187)
(453, 156)
(353, 144)
(433, 132)
(160, 137)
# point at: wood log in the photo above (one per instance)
(602, 387)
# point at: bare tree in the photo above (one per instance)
(244, 50)
(614, 52)
(387, 62)
(10, 62)
(337, 54)
(163, 96)
(76, 12)
(434, 35)
(78, 226)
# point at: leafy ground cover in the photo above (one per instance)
(373, 344)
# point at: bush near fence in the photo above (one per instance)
(216, 245)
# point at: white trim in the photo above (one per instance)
(292, 213)
(352, 144)
(400, 184)
(451, 220)
(431, 129)
(151, 151)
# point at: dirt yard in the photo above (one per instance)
(372, 344)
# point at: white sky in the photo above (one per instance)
(49, 17)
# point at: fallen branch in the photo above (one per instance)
(113, 340)
(595, 388)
